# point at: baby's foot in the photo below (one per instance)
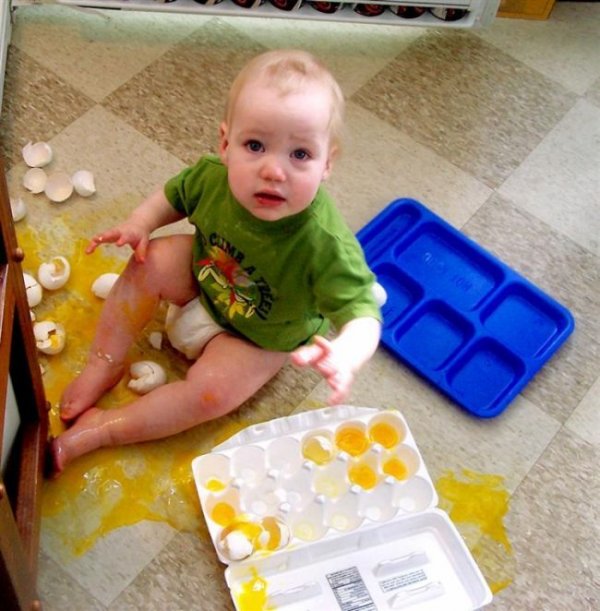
(85, 435)
(56, 459)
(97, 377)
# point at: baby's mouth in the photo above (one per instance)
(269, 199)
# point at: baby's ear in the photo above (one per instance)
(223, 142)
(333, 153)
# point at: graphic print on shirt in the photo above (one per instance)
(237, 292)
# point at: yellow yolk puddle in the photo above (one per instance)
(396, 468)
(477, 504)
(384, 434)
(352, 440)
(252, 595)
(363, 475)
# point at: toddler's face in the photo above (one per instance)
(277, 149)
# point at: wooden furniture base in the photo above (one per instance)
(21, 479)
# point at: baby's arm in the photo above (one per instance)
(154, 212)
(339, 360)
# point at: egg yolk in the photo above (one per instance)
(396, 468)
(214, 485)
(384, 434)
(317, 449)
(251, 530)
(223, 514)
(352, 440)
(363, 475)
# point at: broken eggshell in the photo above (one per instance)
(83, 181)
(37, 155)
(35, 180)
(58, 187)
(50, 336)
(146, 376)
(18, 208)
(55, 273)
(275, 534)
(103, 283)
(33, 289)
(156, 338)
(235, 545)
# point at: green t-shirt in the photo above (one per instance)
(276, 283)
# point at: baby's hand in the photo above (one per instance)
(331, 363)
(129, 233)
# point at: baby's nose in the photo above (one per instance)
(272, 169)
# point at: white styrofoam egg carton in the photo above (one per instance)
(332, 508)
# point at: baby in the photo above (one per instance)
(271, 263)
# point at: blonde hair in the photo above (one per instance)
(289, 70)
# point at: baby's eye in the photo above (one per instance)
(255, 146)
(300, 154)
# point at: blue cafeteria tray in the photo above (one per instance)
(456, 314)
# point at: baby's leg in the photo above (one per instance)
(228, 372)
(130, 306)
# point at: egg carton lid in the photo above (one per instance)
(418, 562)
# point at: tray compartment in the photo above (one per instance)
(432, 335)
(523, 320)
(448, 266)
(402, 292)
(387, 231)
(489, 361)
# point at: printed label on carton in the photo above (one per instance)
(401, 581)
(350, 590)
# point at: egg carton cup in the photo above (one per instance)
(317, 488)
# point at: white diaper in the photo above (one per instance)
(190, 327)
